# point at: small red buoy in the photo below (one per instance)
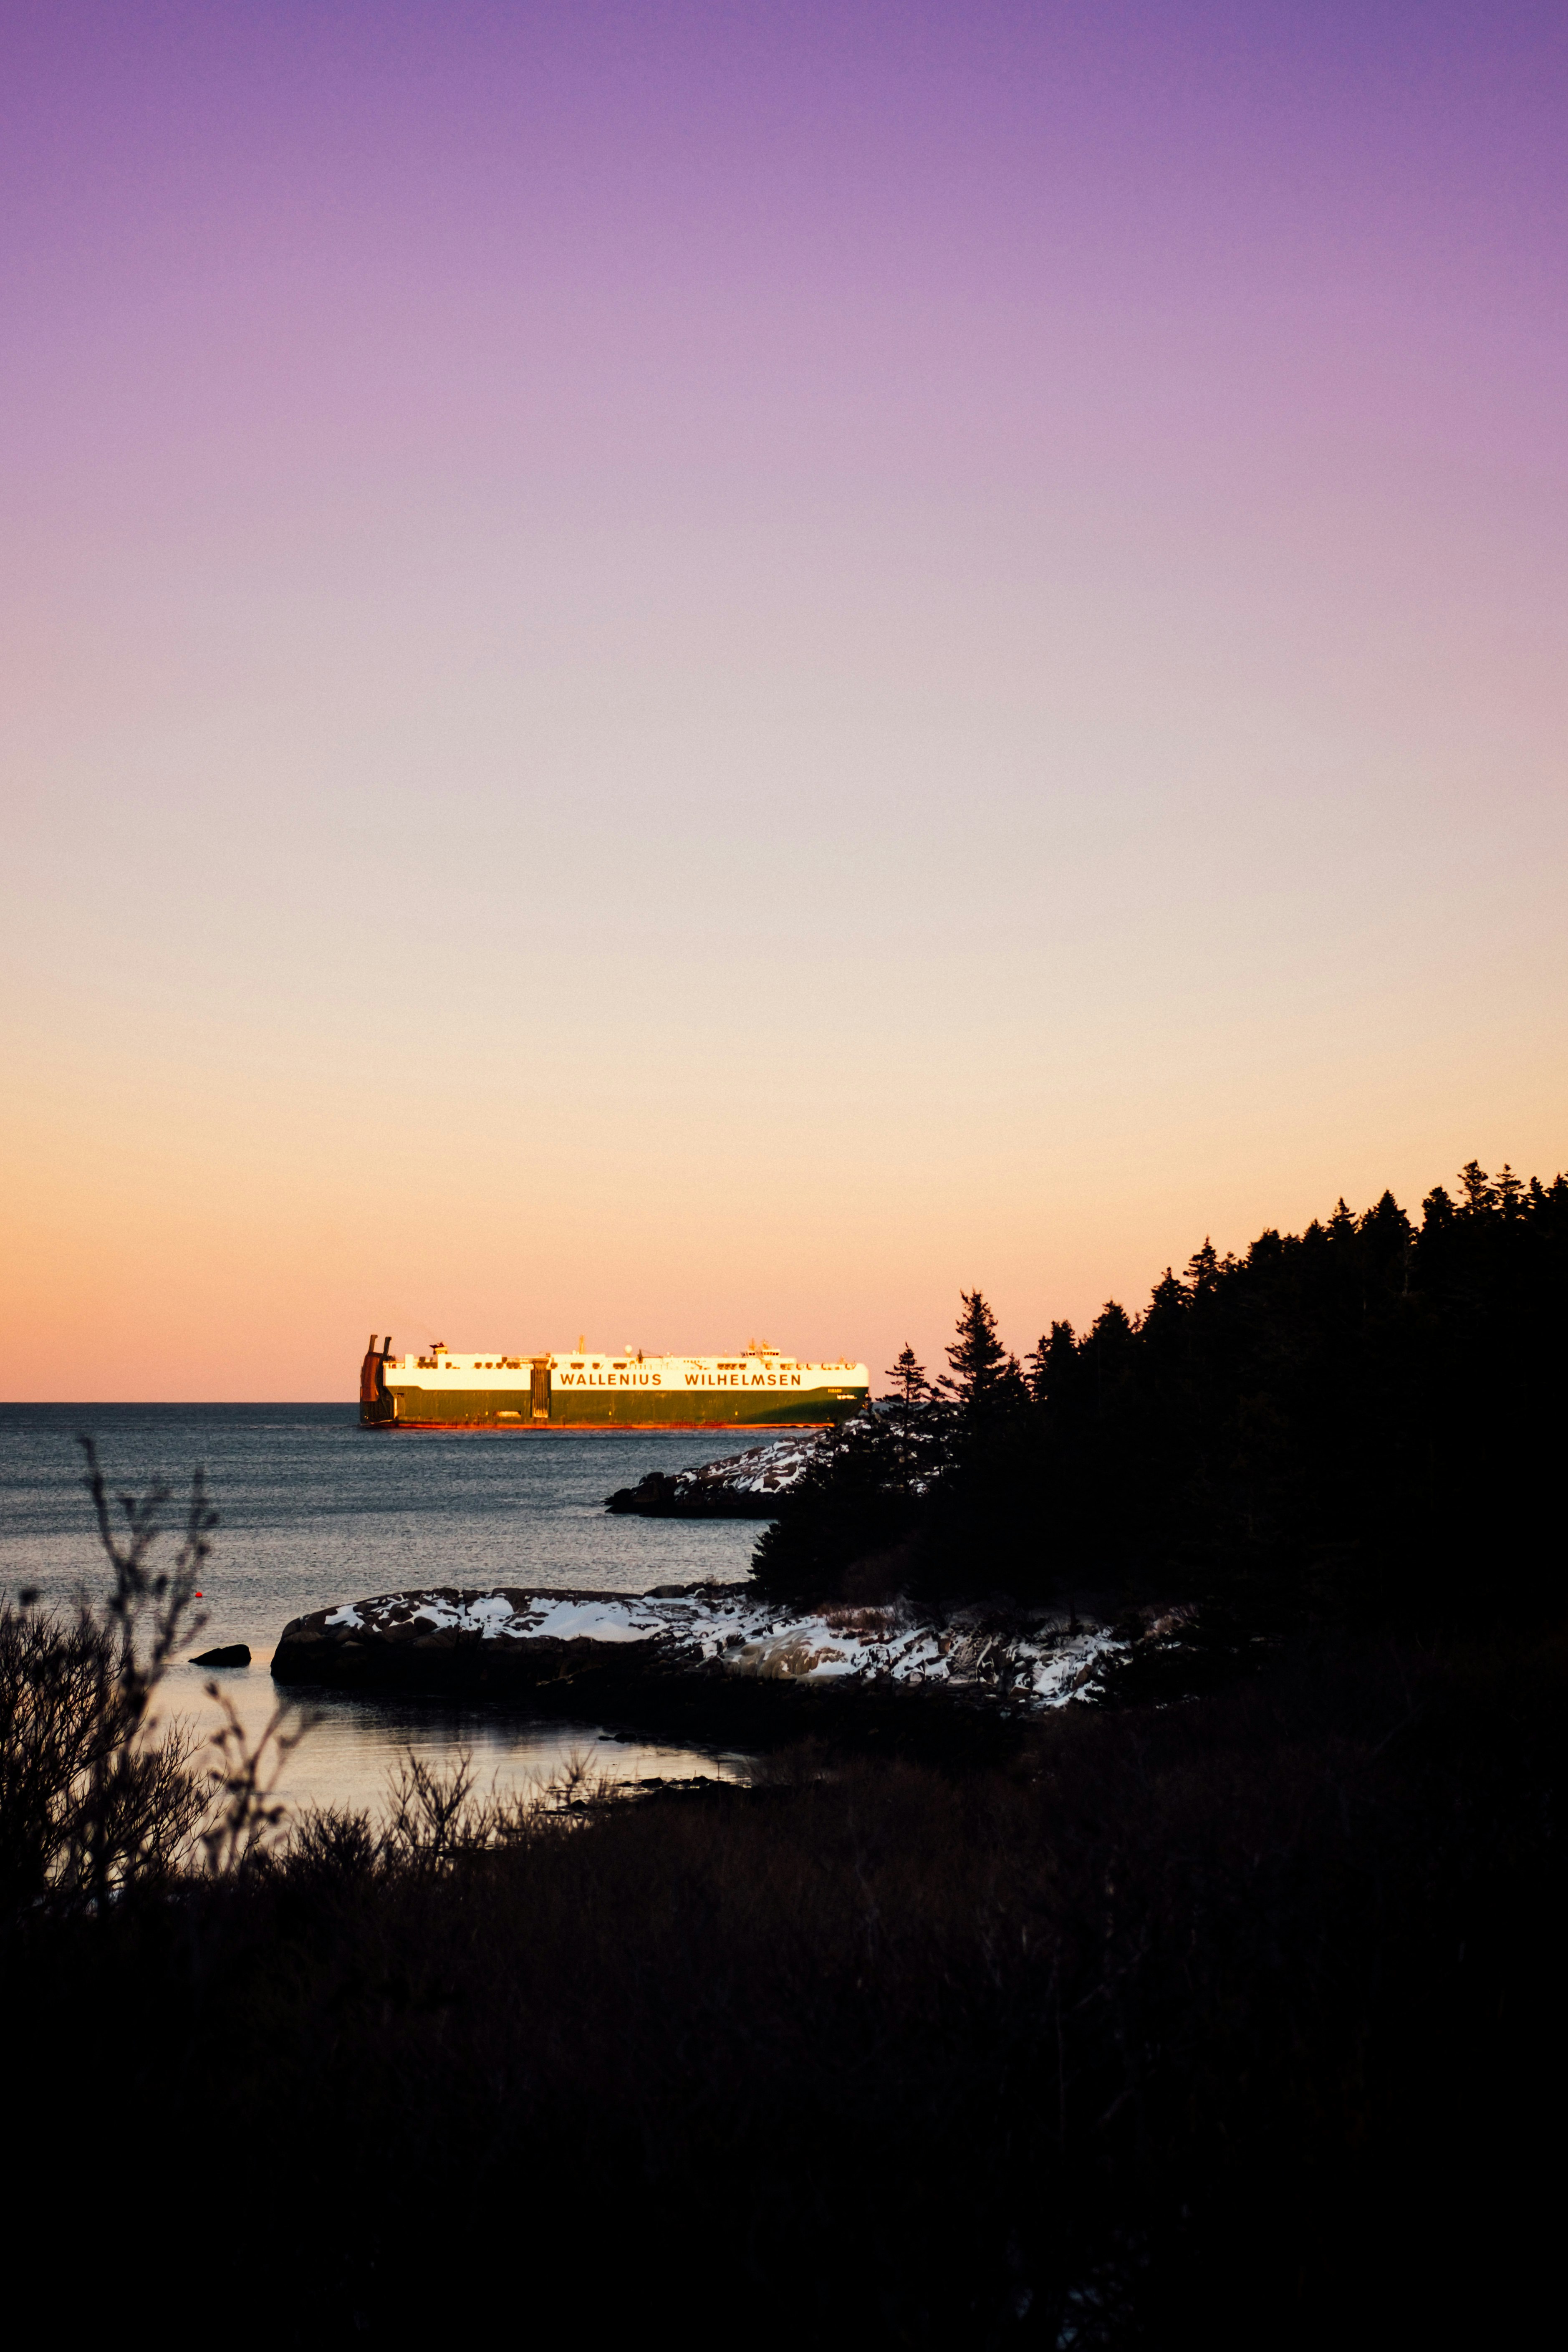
(198, 1596)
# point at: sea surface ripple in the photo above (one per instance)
(312, 1509)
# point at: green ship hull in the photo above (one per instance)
(490, 1408)
(758, 1390)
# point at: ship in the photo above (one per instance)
(757, 1388)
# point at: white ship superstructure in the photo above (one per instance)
(594, 1388)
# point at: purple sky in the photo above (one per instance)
(849, 649)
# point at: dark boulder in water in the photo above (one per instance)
(230, 1654)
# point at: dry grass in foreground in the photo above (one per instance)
(1228, 2022)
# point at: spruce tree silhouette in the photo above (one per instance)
(1362, 1417)
(1050, 1365)
(984, 1373)
(912, 1392)
(909, 1385)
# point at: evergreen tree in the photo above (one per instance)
(1051, 1364)
(1110, 1347)
(1168, 1299)
(1480, 1194)
(1386, 1222)
(984, 1373)
(1202, 1271)
(911, 1394)
(909, 1385)
(1165, 1329)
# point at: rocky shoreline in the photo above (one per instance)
(739, 1487)
(714, 1661)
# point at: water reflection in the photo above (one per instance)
(354, 1743)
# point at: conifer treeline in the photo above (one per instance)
(1367, 1414)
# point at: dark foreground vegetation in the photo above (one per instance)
(1234, 2024)
(1234, 2021)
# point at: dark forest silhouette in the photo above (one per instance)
(1365, 1416)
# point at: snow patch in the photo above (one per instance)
(736, 1632)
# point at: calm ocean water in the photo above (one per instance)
(313, 1511)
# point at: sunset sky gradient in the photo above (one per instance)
(694, 671)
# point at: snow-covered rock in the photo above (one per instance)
(725, 1634)
(739, 1487)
